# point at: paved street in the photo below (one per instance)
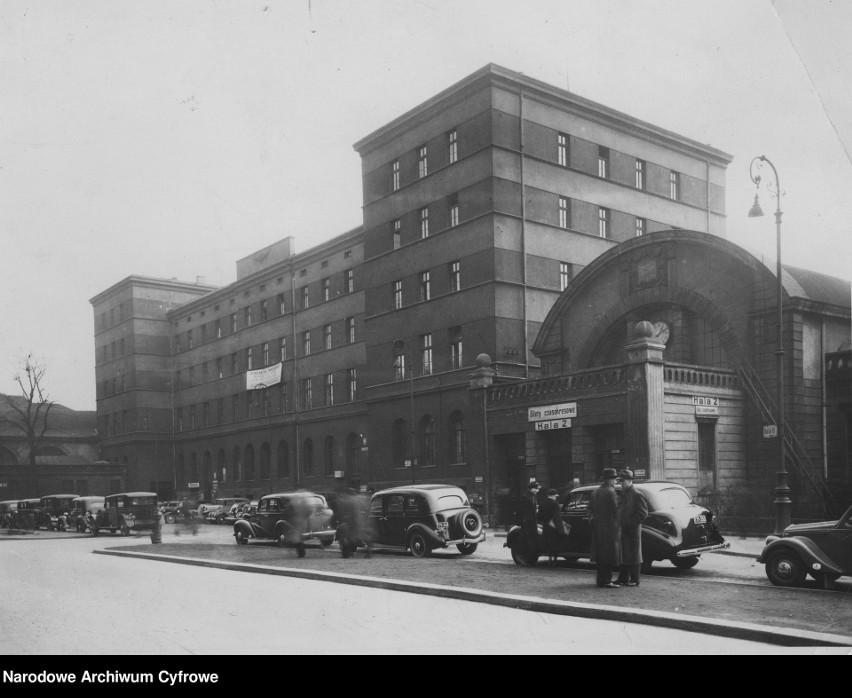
(93, 599)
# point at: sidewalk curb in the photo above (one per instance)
(786, 637)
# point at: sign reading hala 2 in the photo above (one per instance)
(565, 410)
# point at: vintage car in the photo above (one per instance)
(169, 510)
(54, 510)
(7, 512)
(288, 518)
(246, 509)
(677, 529)
(421, 518)
(83, 512)
(26, 514)
(217, 512)
(126, 512)
(821, 550)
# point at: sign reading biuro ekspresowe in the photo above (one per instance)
(548, 417)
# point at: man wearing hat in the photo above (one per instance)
(606, 532)
(528, 521)
(632, 511)
(552, 526)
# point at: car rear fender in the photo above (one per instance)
(810, 553)
(426, 531)
(513, 537)
(245, 528)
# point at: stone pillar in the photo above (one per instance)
(644, 426)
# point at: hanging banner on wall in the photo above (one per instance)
(263, 377)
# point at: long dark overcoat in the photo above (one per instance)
(632, 511)
(606, 529)
(527, 518)
(552, 526)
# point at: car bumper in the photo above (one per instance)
(467, 540)
(693, 552)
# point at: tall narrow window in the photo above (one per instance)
(326, 289)
(219, 329)
(249, 364)
(189, 340)
(453, 141)
(282, 307)
(424, 222)
(352, 384)
(640, 174)
(603, 222)
(426, 353)
(603, 162)
(562, 149)
(307, 393)
(397, 234)
(306, 297)
(264, 309)
(395, 170)
(458, 444)
(674, 185)
(306, 343)
(350, 281)
(456, 353)
(266, 353)
(640, 227)
(233, 323)
(454, 210)
(422, 161)
(247, 316)
(350, 330)
(399, 362)
(455, 276)
(706, 454)
(564, 213)
(564, 275)
(282, 349)
(220, 370)
(425, 286)
(329, 389)
(397, 295)
(326, 337)
(282, 396)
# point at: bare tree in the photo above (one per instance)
(29, 415)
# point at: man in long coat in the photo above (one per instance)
(552, 525)
(632, 511)
(528, 521)
(606, 531)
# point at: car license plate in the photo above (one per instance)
(700, 519)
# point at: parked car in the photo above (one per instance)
(422, 518)
(127, 511)
(246, 509)
(83, 512)
(7, 512)
(169, 511)
(26, 514)
(288, 518)
(217, 512)
(821, 550)
(677, 529)
(54, 510)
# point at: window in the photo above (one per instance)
(306, 343)
(639, 170)
(282, 396)
(562, 149)
(350, 281)
(397, 234)
(399, 362)
(397, 295)
(189, 341)
(235, 408)
(306, 297)
(564, 213)
(424, 222)
(329, 389)
(233, 323)
(235, 364)
(326, 337)
(249, 363)
(564, 275)
(328, 455)
(219, 329)
(603, 162)
(455, 276)
(352, 384)
(457, 438)
(640, 227)
(266, 353)
(350, 330)
(395, 171)
(603, 222)
(307, 393)
(425, 286)
(706, 454)
(426, 353)
(326, 289)
(453, 142)
(282, 349)
(267, 402)
(422, 161)
(247, 316)
(264, 309)
(674, 185)
(453, 203)
(282, 308)
(456, 347)
(283, 459)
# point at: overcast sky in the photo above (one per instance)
(171, 138)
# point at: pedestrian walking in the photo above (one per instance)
(632, 511)
(552, 526)
(527, 517)
(606, 531)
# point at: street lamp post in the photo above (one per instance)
(782, 501)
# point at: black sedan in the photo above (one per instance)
(677, 529)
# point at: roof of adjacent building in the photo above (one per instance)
(62, 421)
(819, 287)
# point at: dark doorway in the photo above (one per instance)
(510, 482)
(608, 448)
(557, 445)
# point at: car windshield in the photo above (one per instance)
(450, 501)
(141, 501)
(671, 498)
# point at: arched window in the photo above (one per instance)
(283, 459)
(427, 441)
(400, 443)
(249, 462)
(328, 456)
(308, 458)
(181, 472)
(193, 467)
(264, 461)
(220, 464)
(458, 445)
(353, 450)
(235, 464)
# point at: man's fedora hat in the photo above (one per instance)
(626, 474)
(534, 485)
(551, 492)
(608, 473)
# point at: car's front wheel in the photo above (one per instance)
(240, 537)
(785, 569)
(281, 539)
(418, 545)
(524, 560)
(468, 549)
(220, 519)
(685, 563)
(170, 518)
